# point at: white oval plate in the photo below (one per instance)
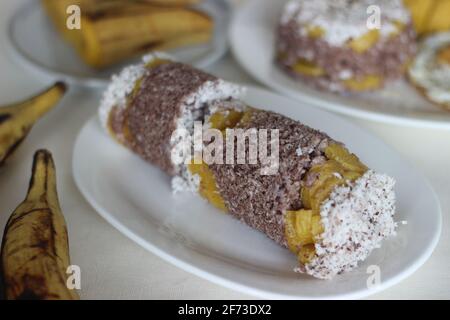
(36, 43)
(136, 198)
(252, 37)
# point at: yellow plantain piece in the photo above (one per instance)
(443, 55)
(96, 6)
(364, 42)
(113, 38)
(429, 15)
(18, 119)
(420, 13)
(367, 83)
(304, 227)
(208, 187)
(315, 32)
(35, 249)
(348, 160)
(308, 68)
(56, 10)
(341, 166)
(173, 2)
(112, 31)
(301, 228)
(183, 40)
(222, 120)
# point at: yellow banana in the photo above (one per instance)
(92, 6)
(17, 120)
(174, 2)
(112, 30)
(111, 39)
(429, 15)
(183, 40)
(35, 249)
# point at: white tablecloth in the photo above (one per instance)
(114, 267)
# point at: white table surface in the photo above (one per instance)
(114, 267)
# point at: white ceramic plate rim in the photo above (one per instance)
(229, 283)
(334, 106)
(50, 72)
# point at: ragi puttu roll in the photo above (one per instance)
(147, 102)
(321, 202)
(345, 45)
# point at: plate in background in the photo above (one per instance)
(252, 37)
(36, 43)
(136, 199)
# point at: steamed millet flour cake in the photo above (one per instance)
(328, 44)
(322, 203)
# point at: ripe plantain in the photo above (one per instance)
(173, 2)
(118, 35)
(17, 120)
(429, 15)
(92, 6)
(112, 31)
(35, 249)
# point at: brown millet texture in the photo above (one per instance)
(152, 114)
(260, 201)
(386, 58)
